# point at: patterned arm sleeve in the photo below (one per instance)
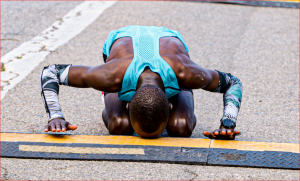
(232, 89)
(51, 77)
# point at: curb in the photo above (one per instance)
(163, 150)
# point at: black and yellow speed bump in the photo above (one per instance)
(163, 149)
(262, 3)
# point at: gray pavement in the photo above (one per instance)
(22, 21)
(258, 45)
(25, 169)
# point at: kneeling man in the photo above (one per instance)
(148, 79)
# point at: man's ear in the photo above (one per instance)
(170, 106)
(127, 106)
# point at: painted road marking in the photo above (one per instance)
(110, 140)
(167, 150)
(22, 60)
(91, 150)
(263, 3)
(255, 146)
(162, 141)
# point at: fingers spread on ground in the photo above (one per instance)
(208, 134)
(58, 127)
(217, 132)
(52, 127)
(223, 132)
(205, 132)
(47, 128)
(229, 132)
(237, 132)
(63, 126)
(72, 127)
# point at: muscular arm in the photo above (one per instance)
(215, 81)
(101, 78)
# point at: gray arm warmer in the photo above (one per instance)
(51, 77)
(232, 89)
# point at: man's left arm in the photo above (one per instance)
(195, 77)
(231, 87)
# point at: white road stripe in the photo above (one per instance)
(22, 60)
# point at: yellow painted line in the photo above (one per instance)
(112, 140)
(60, 149)
(165, 141)
(255, 146)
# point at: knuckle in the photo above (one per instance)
(64, 122)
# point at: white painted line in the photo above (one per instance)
(23, 59)
(87, 150)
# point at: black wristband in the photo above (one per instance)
(224, 85)
(228, 123)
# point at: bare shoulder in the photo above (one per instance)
(188, 73)
(172, 45)
(121, 49)
(174, 53)
(121, 55)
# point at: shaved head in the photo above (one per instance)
(149, 111)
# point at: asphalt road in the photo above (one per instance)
(258, 45)
(22, 21)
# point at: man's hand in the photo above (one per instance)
(58, 124)
(222, 134)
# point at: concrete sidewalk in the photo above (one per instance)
(258, 45)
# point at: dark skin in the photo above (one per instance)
(108, 77)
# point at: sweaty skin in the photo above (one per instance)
(108, 77)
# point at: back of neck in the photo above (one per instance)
(150, 78)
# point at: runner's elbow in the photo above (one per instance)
(183, 74)
(118, 81)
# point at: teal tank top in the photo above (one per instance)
(145, 40)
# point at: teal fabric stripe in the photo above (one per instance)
(232, 88)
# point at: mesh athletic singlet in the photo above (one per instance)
(145, 40)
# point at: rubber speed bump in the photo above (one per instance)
(116, 148)
(254, 154)
(164, 149)
(265, 3)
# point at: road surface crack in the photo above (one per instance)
(4, 176)
(9, 39)
(188, 171)
(43, 48)
(7, 81)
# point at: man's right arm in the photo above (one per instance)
(51, 77)
(103, 78)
